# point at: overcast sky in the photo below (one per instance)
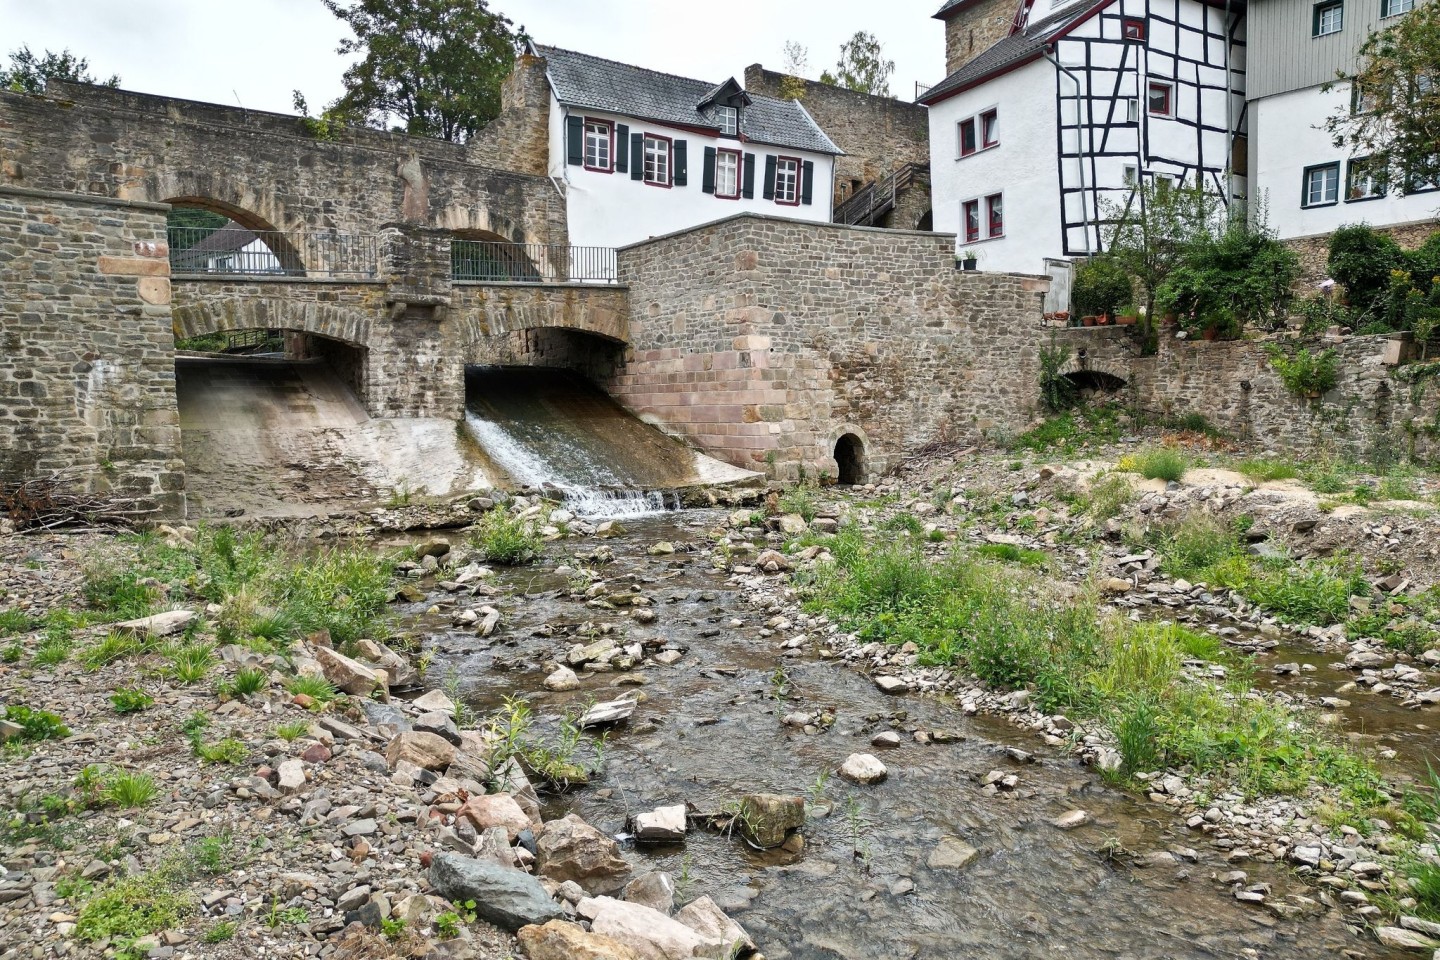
(255, 52)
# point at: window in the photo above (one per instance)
(980, 132)
(1130, 175)
(657, 160)
(1132, 110)
(1362, 180)
(727, 174)
(729, 118)
(967, 137)
(599, 137)
(1393, 8)
(1322, 185)
(995, 216)
(970, 214)
(1329, 17)
(787, 181)
(1360, 101)
(1134, 28)
(1161, 102)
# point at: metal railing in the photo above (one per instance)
(875, 199)
(491, 261)
(232, 249)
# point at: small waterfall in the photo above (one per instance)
(590, 489)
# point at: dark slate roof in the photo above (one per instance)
(580, 80)
(1011, 52)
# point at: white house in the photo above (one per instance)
(1038, 137)
(642, 153)
(1310, 185)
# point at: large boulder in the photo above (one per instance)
(425, 750)
(349, 676)
(571, 849)
(651, 934)
(655, 890)
(508, 898)
(558, 940)
(708, 920)
(496, 810)
(765, 818)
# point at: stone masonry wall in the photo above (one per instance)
(971, 31)
(764, 341)
(87, 379)
(1314, 252)
(877, 134)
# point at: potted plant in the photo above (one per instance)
(1088, 320)
(1127, 317)
(968, 259)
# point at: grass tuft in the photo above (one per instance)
(317, 688)
(505, 539)
(131, 700)
(1160, 463)
(1261, 470)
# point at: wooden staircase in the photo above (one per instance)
(875, 199)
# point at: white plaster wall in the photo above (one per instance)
(1289, 136)
(557, 139)
(612, 210)
(1022, 167)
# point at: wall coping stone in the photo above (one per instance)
(269, 279)
(770, 218)
(557, 285)
(84, 198)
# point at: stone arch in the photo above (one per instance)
(849, 460)
(484, 255)
(285, 249)
(488, 313)
(1080, 368)
(198, 317)
(926, 221)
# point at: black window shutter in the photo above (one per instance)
(807, 174)
(575, 139)
(707, 176)
(682, 173)
(748, 185)
(622, 148)
(637, 149)
(769, 178)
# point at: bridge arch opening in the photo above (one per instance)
(483, 256)
(1089, 383)
(208, 236)
(850, 460)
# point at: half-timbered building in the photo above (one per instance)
(1039, 136)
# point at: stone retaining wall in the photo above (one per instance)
(765, 340)
(1314, 252)
(87, 378)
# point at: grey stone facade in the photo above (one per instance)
(87, 378)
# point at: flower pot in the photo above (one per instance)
(1126, 320)
(1211, 333)
(969, 264)
(1088, 321)
(1103, 320)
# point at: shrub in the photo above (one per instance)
(1361, 259)
(131, 700)
(1057, 392)
(1107, 496)
(115, 646)
(228, 750)
(1306, 374)
(1161, 463)
(502, 538)
(221, 932)
(1012, 554)
(1241, 276)
(290, 732)
(801, 499)
(55, 647)
(1101, 286)
(13, 621)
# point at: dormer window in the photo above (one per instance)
(728, 119)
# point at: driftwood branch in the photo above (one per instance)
(53, 502)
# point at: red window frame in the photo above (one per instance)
(995, 215)
(739, 173)
(1169, 89)
(968, 124)
(989, 129)
(1134, 28)
(585, 144)
(799, 187)
(669, 160)
(970, 217)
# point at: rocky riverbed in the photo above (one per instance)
(649, 719)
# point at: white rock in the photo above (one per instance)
(951, 853)
(562, 679)
(863, 768)
(1071, 819)
(292, 775)
(434, 701)
(160, 625)
(651, 934)
(664, 824)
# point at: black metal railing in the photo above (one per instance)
(232, 249)
(491, 261)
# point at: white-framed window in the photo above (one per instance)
(1161, 99)
(787, 181)
(599, 141)
(983, 218)
(1393, 8)
(657, 160)
(727, 174)
(980, 132)
(1363, 180)
(1328, 18)
(729, 120)
(1322, 185)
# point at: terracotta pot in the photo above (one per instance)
(1211, 333)
(1125, 320)
(1088, 321)
(1062, 314)
(1103, 320)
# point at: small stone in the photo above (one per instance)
(888, 740)
(662, 825)
(291, 776)
(892, 685)
(426, 750)
(434, 701)
(1398, 938)
(562, 680)
(863, 769)
(1071, 819)
(951, 853)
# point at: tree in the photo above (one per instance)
(862, 66)
(797, 63)
(1394, 117)
(28, 73)
(436, 65)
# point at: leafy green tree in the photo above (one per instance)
(1395, 117)
(797, 62)
(436, 65)
(862, 66)
(28, 73)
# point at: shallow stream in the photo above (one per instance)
(709, 731)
